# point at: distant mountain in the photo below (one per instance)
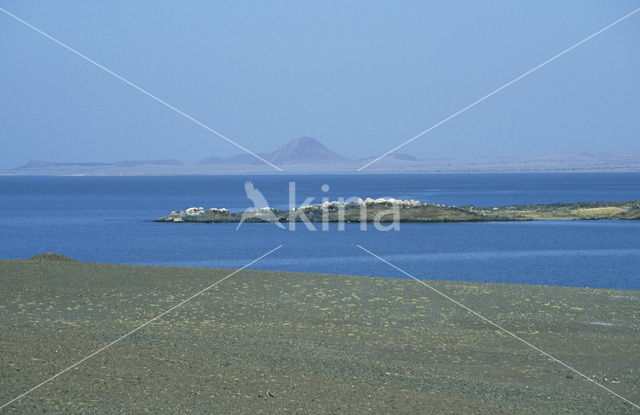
(40, 164)
(307, 155)
(245, 158)
(394, 156)
(303, 150)
(165, 162)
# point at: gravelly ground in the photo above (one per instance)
(317, 343)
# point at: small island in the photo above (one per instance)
(390, 210)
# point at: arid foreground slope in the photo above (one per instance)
(277, 342)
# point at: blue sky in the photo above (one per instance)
(362, 77)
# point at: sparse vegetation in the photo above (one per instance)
(52, 256)
(278, 342)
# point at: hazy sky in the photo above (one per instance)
(362, 77)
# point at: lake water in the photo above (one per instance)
(109, 220)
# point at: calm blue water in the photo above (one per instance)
(109, 219)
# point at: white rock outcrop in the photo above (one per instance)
(194, 211)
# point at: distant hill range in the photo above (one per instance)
(303, 150)
(39, 164)
(308, 155)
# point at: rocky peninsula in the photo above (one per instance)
(389, 210)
